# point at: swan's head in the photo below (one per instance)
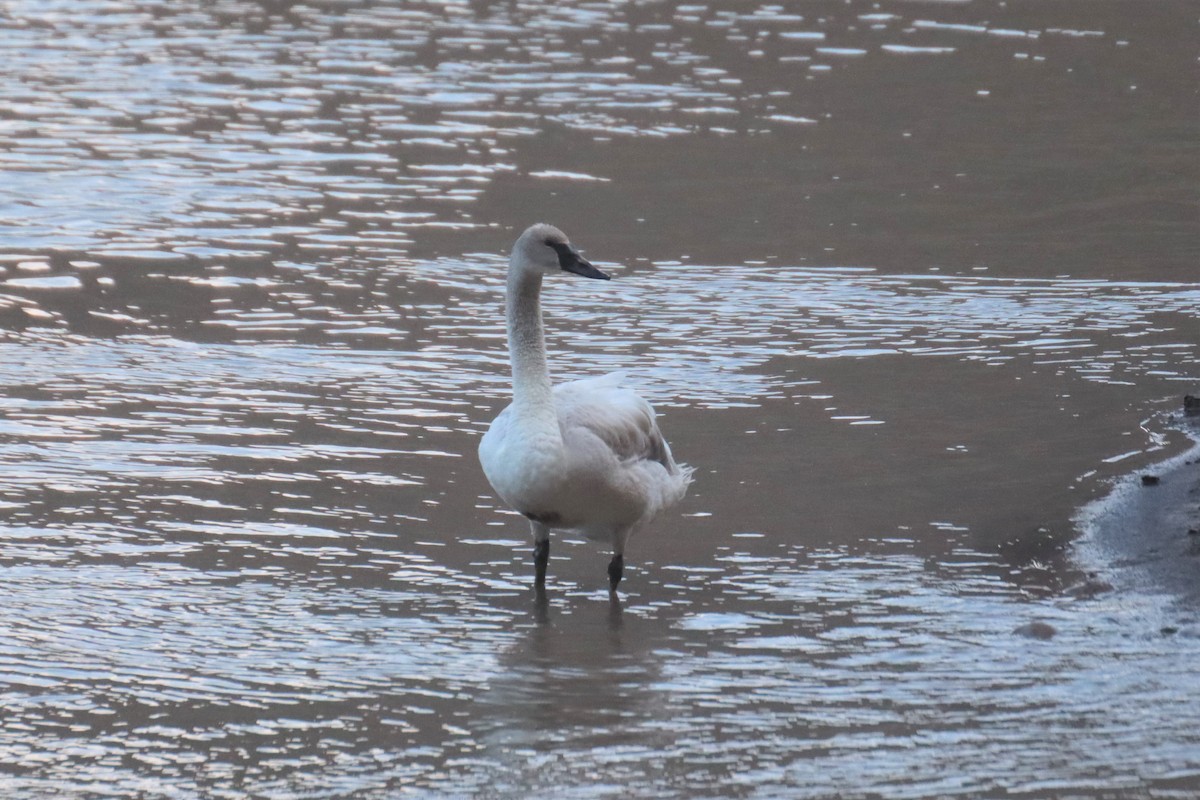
(545, 249)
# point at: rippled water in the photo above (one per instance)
(909, 281)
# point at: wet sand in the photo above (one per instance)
(1145, 534)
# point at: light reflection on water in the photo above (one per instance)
(840, 669)
(698, 328)
(218, 549)
(250, 331)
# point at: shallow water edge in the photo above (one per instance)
(1144, 535)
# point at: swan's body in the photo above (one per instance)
(585, 455)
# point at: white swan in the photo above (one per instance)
(585, 455)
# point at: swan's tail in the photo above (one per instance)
(681, 479)
(679, 476)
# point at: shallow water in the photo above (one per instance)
(908, 281)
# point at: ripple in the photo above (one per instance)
(269, 121)
(245, 545)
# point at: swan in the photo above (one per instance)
(585, 455)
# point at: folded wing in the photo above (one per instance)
(617, 416)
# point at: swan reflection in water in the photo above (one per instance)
(583, 677)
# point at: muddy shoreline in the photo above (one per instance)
(1145, 534)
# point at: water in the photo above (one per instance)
(908, 281)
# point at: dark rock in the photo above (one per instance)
(1087, 589)
(1036, 630)
(1149, 480)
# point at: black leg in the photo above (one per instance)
(541, 605)
(541, 556)
(616, 568)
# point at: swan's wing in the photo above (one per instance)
(615, 415)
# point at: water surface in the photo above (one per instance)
(908, 281)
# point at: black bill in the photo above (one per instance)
(570, 260)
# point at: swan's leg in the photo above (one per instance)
(616, 567)
(541, 551)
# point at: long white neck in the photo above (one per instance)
(532, 397)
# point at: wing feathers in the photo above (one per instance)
(615, 415)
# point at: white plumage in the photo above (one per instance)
(585, 455)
